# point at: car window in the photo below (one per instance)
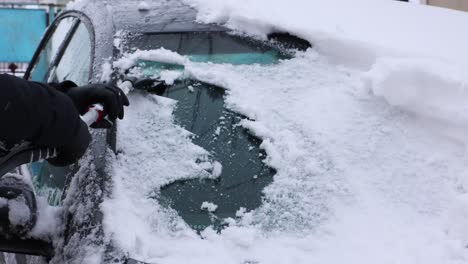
(215, 47)
(76, 61)
(74, 65)
(50, 50)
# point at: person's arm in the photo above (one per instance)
(47, 115)
(40, 114)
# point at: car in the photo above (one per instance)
(79, 46)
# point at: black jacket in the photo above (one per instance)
(38, 113)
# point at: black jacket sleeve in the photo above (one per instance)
(38, 113)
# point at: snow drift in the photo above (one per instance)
(411, 53)
(366, 131)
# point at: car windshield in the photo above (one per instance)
(201, 110)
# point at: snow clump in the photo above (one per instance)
(143, 6)
(18, 211)
(209, 207)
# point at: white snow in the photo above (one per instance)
(18, 212)
(106, 72)
(118, 36)
(366, 131)
(169, 77)
(143, 6)
(218, 131)
(217, 169)
(354, 32)
(49, 224)
(209, 207)
(125, 86)
(456, 220)
(436, 93)
(161, 55)
(241, 212)
(153, 152)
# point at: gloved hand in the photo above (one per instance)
(75, 149)
(109, 95)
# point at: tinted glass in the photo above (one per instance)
(50, 50)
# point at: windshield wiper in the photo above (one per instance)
(151, 85)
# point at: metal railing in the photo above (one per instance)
(15, 68)
(51, 7)
(35, 2)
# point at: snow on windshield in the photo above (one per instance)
(160, 55)
(366, 131)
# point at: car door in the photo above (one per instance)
(65, 53)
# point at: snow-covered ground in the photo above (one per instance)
(367, 132)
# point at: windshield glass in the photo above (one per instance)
(215, 47)
(201, 110)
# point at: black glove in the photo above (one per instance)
(109, 95)
(76, 148)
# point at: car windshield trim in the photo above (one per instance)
(80, 18)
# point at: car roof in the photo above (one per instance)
(157, 17)
(108, 17)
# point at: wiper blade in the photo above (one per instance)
(148, 84)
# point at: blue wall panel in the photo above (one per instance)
(20, 33)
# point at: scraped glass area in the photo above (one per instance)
(200, 109)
